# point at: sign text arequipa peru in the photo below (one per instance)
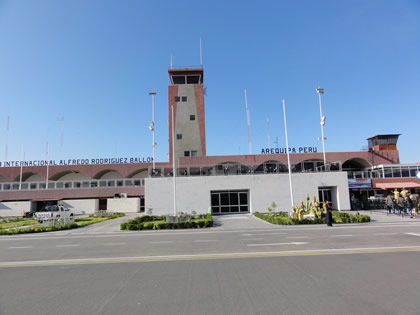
(291, 150)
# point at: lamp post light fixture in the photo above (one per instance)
(152, 129)
(323, 118)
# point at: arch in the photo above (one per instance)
(356, 164)
(310, 165)
(108, 174)
(32, 177)
(229, 168)
(141, 173)
(69, 175)
(271, 166)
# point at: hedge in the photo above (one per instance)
(78, 223)
(159, 223)
(338, 217)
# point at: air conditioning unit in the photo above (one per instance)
(123, 195)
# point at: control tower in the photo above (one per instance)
(383, 142)
(186, 97)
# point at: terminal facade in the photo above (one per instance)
(219, 184)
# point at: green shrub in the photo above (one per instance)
(338, 217)
(159, 223)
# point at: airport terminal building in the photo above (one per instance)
(220, 184)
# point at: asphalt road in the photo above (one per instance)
(242, 266)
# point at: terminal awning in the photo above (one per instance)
(46, 199)
(397, 185)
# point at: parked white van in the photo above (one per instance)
(53, 212)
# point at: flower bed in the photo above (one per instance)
(338, 217)
(78, 223)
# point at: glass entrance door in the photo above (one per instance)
(231, 201)
(324, 195)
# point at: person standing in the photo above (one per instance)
(400, 205)
(408, 205)
(328, 213)
(390, 204)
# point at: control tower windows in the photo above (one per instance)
(179, 136)
(177, 99)
(192, 117)
(184, 98)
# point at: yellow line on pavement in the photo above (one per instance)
(91, 261)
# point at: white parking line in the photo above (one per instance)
(68, 245)
(20, 247)
(114, 244)
(277, 244)
(414, 234)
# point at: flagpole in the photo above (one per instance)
(173, 160)
(288, 156)
(21, 169)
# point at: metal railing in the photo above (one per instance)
(73, 184)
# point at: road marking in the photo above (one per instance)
(68, 245)
(262, 234)
(20, 247)
(297, 237)
(114, 244)
(61, 235)
(295, 253)
(382, 234)
(276, 244)
(414, 234)
(161, 242)
(253, 239)
(342, 235)
(203, 241)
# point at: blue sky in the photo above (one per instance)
(94, 63)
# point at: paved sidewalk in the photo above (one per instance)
(380, 216)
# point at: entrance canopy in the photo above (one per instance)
(397, 185)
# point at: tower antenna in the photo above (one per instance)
(7, 139)
(268, 133)
(201, 55)
(249, 124)
(172, 62)
(61, 120)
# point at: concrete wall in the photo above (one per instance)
(14, 208)
(81, 206)
(189, 129)
(123, 205)
(193, 193)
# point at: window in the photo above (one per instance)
(192, 117)
(186, 153)
(177, 98)
(179, 136)
(184, 98)
(193, 153)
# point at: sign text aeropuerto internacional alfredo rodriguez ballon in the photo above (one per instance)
(76, 162)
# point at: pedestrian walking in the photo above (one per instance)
(400, 205)
(408, 206)
(328, 213)
(390, 204)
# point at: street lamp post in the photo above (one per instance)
(321, 91)
(152, 129)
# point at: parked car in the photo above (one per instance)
(53, 212)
